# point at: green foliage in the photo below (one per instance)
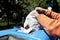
(29, 5)
(58, 4)
(21, 8)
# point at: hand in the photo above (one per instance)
(40, 10)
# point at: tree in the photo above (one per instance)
(22, 7)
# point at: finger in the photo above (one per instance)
(38, 8)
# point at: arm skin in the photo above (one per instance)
(53, 15)
(50, 21)
(52, 26)
(49, 13)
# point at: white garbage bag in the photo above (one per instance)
(31, 21)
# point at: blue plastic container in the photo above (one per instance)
(36, 35)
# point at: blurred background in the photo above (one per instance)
(14, 12)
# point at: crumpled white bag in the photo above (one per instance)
(31, 21)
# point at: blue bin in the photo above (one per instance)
(36, 35)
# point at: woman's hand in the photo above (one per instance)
(43, 11)
(39, 8)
